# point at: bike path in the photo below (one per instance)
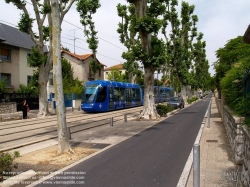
(154, 157)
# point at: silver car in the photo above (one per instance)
(176, 102)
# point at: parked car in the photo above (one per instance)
(176, 102)
(200, 95)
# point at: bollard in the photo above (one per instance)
(125, 118)
(69, 133)
(79, 108)
(196, 165)
(111, 121)
(72, 109)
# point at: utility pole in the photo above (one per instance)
(74, 39)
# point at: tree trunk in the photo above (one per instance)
(184, 93)
(149, 110)
(63, 140)
(42, 82)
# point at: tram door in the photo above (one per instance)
(111, 98)
(128, 97)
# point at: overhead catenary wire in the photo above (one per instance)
(97, 36)
(91, 51)
(83, 30)
(71, 44)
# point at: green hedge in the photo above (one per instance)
(163, 109)
(233, 88)
(190, 100)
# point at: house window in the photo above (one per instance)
(29, 79)
(7, 77)
(120, 72)
(5, 54)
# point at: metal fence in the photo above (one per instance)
(32, 99)
(67, 99)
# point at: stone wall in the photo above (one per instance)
(239, 138)
(9, 107)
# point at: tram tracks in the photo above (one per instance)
(20, 134)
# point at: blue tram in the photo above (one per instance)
(162, 93)
(101, 96)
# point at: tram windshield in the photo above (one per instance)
(89, 93)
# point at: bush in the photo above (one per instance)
(163, 109)
(28, 90)
(233, 87)
(190, 100)
(6, 163)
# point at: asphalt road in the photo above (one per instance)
(154, 157)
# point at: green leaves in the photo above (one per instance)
(95, 66)
(70, 84)
(46, 9)
(25, 23)
(148, 25)
(3, 86)
(232, 86)
(232, 52)
(17, 3)
(116, 75)
(86, 8)
(36, 58)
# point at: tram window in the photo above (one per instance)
(90, 91)
(162, 92)
(128, 96)
(137, 94)
(111, 93)
(122, 94)
(102, 94)
(116, 94)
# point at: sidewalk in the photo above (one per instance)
(217, 168)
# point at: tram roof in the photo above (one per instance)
(112, 83)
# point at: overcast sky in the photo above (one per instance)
(219, 21)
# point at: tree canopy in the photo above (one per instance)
(160, 37)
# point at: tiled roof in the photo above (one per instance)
(118, 66)
(12, 36)
(80, 57)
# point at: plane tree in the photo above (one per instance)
(139, 32)
(48, 15)
(127, 38)
(39, 28)
(144, 25)
(200, 66)
(180, 31)
(86, 9)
